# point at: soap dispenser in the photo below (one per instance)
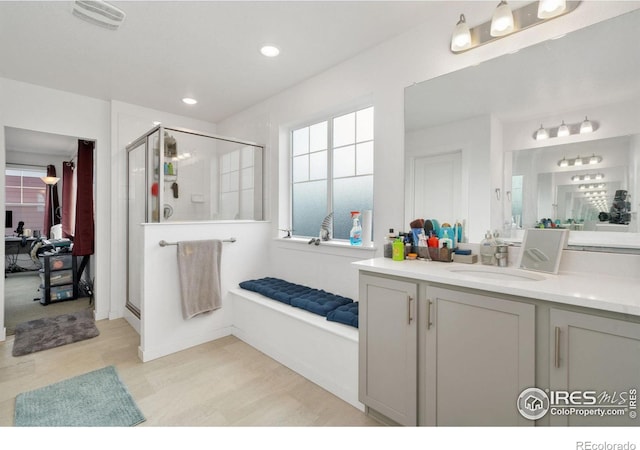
(488, 249)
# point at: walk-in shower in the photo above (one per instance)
(183, 176)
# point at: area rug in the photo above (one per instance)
(95, 399)
(50, 332)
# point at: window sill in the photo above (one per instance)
(334, 247)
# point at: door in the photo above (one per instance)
(388, 347)
(599, 355)
(479, 357)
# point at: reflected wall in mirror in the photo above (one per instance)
(490, 113)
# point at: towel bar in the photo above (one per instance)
(164, 243)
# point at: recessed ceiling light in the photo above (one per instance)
(270, 51)
(190, 101)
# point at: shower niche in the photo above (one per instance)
(177, 175)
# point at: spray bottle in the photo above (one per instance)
(355, 236)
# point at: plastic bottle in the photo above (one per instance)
(445, 241)
(355, 236)
(398, 249)
(388, 244)
(488, 249)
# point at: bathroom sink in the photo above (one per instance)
(497, 273)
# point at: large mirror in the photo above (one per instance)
(488, 115)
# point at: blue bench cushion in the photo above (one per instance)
(345, 314)
(316, 301)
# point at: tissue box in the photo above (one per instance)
(467, 259)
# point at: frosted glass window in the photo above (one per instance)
(337, 151)
(318, 137)
(300, 141)
(364, 158)
(364, 125)
(350, 194)
(318, 166)
(344, 130)
(344, 162)
(309, 207)
(300, 168)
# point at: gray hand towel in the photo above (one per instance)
(199, 272)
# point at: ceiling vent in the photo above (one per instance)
(99, 13)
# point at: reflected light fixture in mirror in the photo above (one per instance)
(506, 21)
(579, 161)
(564, 130)
(502, 20)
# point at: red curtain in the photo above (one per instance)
(51, 201)
(68, 200)
(83, 243)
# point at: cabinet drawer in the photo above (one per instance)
(61, 292)
(58, 277)
(57, 262)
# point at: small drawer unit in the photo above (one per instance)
(58, 277)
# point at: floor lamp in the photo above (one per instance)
(51, 181)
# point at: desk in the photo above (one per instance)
(14, 247)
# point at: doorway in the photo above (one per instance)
(31, 292)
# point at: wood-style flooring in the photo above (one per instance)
(222, 383)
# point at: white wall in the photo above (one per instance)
(41, 109)
(380, 74)
(164, 329)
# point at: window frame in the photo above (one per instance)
(330, 148)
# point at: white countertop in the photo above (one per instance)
(608, 293)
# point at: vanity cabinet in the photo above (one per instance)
(388, 338)
(593, 353)
(479, 355)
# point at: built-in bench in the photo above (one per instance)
(322, 351)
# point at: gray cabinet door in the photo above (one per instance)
(479, 357)
(596, 354)
(388, 347)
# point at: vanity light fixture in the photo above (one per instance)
(502, 20)
(587, 177)
(563, 130)
(542, 133)
(579, 161)
(506, 21)
(586, 126)
(551, 8)
(461, 39)
(595, 159)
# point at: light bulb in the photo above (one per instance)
(551, 8)
(502, 20)
(461, 38)
(542, 134)
(586, 126)
(563, 130)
